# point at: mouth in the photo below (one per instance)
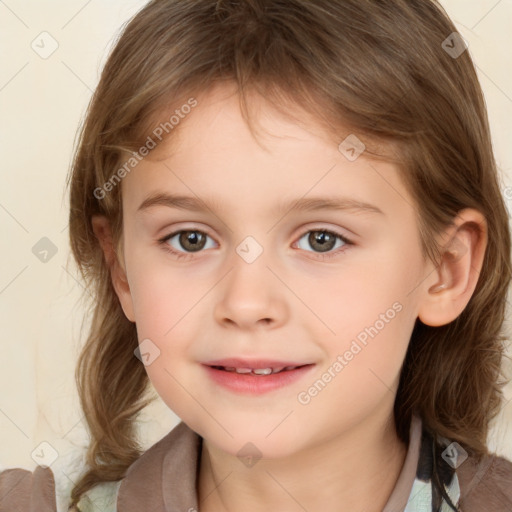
(257, 371)
(256, 379)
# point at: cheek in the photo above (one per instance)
(372, 313)
(163, 302)
(358, 378)
(161, 317)
(161, 294)
(360, 294)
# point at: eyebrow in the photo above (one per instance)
(303, 204)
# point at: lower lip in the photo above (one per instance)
(250, 384)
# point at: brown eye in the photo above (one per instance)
(192, 240)
(322, 241)
(187, 241)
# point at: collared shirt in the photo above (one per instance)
(164, 479)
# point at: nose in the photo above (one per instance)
(251, 297)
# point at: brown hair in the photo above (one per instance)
(376, 68)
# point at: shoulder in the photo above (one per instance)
(26, 491)
(166, 471)
(49, 489)
(20, 487)
(486, 484)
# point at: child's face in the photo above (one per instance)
(289, 303)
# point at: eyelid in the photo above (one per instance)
(326, 226)
(168, 232)
(318, 226)
(347, 240)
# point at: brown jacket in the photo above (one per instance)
(164, 479)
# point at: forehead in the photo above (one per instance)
(214, 154)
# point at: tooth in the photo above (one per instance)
(262, 371)
(243, 370)
(257, 371)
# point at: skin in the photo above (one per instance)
(289, 303)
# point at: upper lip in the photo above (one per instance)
(237, 362)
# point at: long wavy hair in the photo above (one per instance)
(382, 70)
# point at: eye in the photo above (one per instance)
(190, 240)
(323, 242)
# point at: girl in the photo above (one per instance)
(290, 215)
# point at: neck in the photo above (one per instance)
(356, 470)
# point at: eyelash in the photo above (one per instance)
(323, 256)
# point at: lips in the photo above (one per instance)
(257, 371)
(256, 377)
(254, 366)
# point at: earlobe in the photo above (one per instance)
(450, 286)
(102, 230)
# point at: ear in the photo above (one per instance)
(450, 286)
(102, 230)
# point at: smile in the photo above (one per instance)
(256, 380)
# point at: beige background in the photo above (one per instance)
(41, 104)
